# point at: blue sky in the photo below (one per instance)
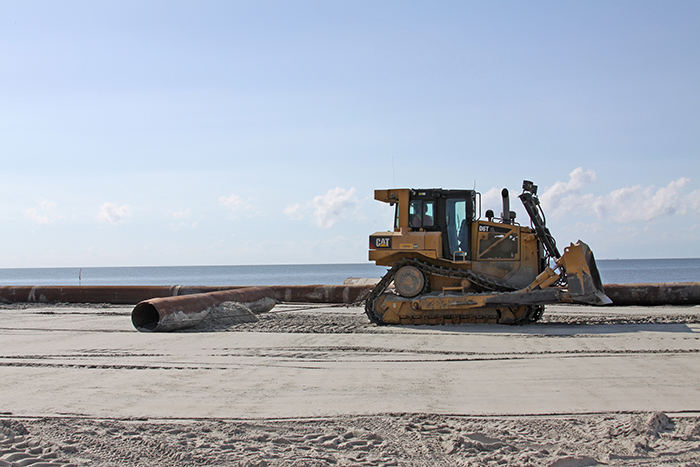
(191, 133)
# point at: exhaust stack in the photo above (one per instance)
(507, 216)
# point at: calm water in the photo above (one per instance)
(193, 275)
(626, 271)
(611, 271)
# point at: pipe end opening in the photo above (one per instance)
(145, 317)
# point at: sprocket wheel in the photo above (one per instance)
(409, 281)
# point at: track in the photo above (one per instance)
(479, 282)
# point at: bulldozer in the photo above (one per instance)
(448, 265)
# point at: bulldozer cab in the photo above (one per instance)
(450, 212)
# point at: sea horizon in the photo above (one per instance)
(611, 271)
(280, 264)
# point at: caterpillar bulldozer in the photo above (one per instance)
(448, 265)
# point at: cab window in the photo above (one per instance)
(457, 227)
(421, 214)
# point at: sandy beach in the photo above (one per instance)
(320, 385)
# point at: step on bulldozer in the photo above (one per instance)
(448, 265)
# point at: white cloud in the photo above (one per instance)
(182, 215)
(113, 214)
(563, 197)
(636, 203)
(182, 219)
(235, 204)
(492, 200)
(588, 228)
(690, 204)
(294, 211)
(622, 205)
(325, 209)
(43, 213)
(333, 206)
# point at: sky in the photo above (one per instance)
(166, 133)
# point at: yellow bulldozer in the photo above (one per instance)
(448, 265)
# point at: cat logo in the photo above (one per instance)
(379, 242)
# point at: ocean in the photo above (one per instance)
(612, 271)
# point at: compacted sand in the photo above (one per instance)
(313, 385)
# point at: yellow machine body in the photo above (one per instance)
(447, 265)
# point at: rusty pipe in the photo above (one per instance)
(185, 311)
(170, 313)
(179, 312)
(321, 293)
(132, 294)
(665, 293)
(114, 294)
(653, 294)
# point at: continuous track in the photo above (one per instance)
(481, 283)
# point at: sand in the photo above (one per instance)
(314, 385)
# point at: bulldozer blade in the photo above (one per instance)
(582, 275)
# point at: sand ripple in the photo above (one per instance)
(644, 439)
